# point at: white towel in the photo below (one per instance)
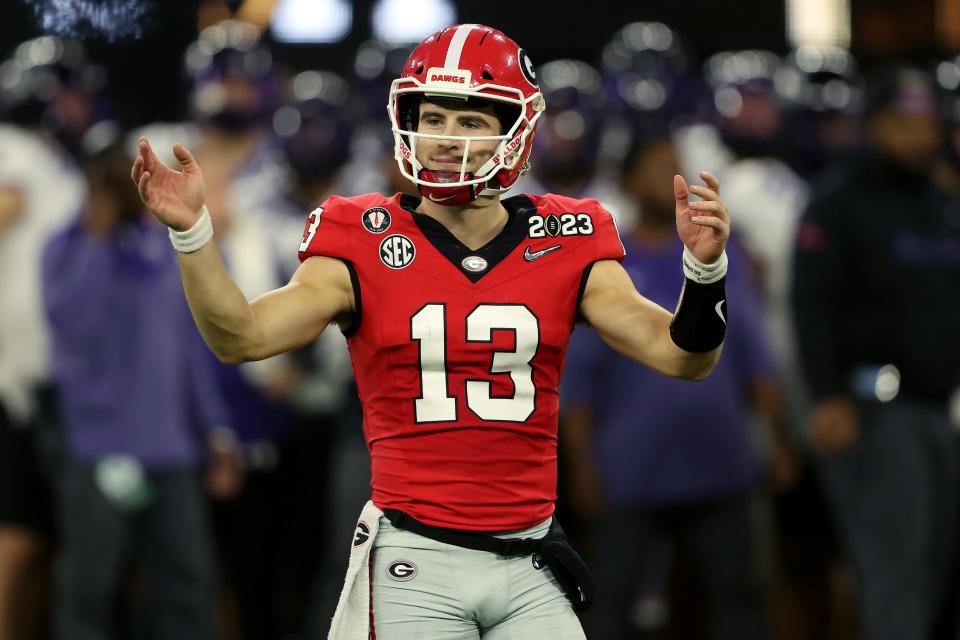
(352, 619)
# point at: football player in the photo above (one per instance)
(457, 306)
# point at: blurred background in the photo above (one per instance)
(809, 489)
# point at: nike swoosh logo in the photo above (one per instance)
(720, 311)
(444, 198)
(530, 256)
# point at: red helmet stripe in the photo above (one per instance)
(456, 46)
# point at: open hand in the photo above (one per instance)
(174, 197)
(703, 226)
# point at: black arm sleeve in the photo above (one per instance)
(700, 322)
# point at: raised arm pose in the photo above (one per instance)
(458, 307)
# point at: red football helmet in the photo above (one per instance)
(467, 62)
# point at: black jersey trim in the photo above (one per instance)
(519, 208)
(350, 331)
(584, 276)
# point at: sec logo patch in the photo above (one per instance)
(397, 251)
(376, 220)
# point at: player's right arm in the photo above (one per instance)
(236, 330)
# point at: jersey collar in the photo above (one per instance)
(518, 208)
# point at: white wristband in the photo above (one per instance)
(196, 236)
(704, 273)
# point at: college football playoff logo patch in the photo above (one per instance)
(397, 251)
(376, 220)
(402, 571)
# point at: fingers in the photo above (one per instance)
(136, 170)
(711, 181)
(150, 160)
(142, 187)
(704, 192)
(711, 221)
(680, 190)
(711, 206)
(185, 158)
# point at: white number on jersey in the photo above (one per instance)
(312, 229)
(428, 327)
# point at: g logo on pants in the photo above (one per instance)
(402, 571)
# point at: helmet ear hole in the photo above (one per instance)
(408, 112)
(507, 114)
(486, 75)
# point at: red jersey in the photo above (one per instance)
(458, 353)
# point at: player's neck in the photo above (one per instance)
(474, 224)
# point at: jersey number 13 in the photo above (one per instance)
(435, 404)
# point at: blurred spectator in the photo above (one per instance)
(822, 94)
(314, 127)
(137, 413)
(372, 167)
(767, 113)
(648, 69)
(668, 470)
(566, 156)
(271, 535)
(250, 527)
(40, 189)
(234, 93)
(50, 81)
(325, 450)
(766, 194)
(876, 302)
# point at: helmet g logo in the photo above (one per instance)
(526, 66)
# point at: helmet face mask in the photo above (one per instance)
(464, 64)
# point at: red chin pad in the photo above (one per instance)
(450, 196)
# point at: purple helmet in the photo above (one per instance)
(647, 70)
(747, 106)
(314, 126)
(376, 65)
(822, 95)
(234, 84)
(568, 140)
(50, 82)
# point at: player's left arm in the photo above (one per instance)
(687, 343)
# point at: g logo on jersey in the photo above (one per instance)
(376, 220)
(475, 264)
(397, 251)
(526, 67)
(402, 571)
(362, 534)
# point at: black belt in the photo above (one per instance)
(508, 548)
